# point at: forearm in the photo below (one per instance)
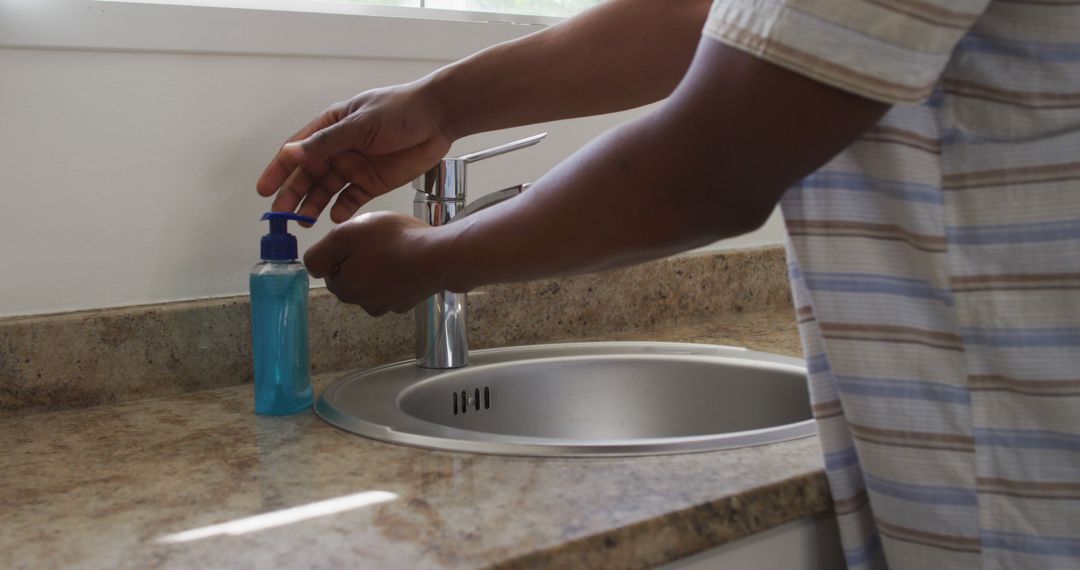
(618, 55)
(607, 206)
(709, 163)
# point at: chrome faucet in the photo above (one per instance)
(441, 333)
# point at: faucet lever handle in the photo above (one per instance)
(501, 149)
(489, 200)
(446, 180)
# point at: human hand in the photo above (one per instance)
(378, 260)
(362, 148)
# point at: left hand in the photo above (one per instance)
(358, 149)
(378, 261)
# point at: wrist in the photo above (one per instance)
(445, 263)
(438, 88)
(432, 254)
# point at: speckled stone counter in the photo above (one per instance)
(83, 359)
(114, 486)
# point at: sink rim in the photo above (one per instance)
(442, 437)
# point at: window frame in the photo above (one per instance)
(277, 28)
(360, 9)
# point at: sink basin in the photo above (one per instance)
(580, 400)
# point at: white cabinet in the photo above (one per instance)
(811, 543)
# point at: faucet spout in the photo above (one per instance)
(441, 323)
(442, 334)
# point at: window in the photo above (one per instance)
(535, 11)
(555, 8)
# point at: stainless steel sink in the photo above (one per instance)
(581, 399)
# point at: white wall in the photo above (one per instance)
(128, 175)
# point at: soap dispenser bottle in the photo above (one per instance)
(279, 322)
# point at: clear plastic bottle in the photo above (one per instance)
(279, 322)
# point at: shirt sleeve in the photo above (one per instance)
(888, 50)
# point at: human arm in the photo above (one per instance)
(618, 55)
(710, 162)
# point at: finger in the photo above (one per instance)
(286, 160)
(406, 306)
(375, 311)
(348, 202)
(298, 186)
(281, 167)
(366, 185)
(376, 175)
(354, 132)
(331, 115)
(323, 258)
(320, 196)
(292, 191)
(332, 286)
(347, 294)
(404, 309)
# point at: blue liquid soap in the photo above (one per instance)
(279, 323)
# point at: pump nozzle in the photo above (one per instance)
(279, 244)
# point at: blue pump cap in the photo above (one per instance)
(279, 244)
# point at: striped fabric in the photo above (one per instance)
(936, 271)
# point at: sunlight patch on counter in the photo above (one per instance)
(282, 517)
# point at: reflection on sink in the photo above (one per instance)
(581, 399)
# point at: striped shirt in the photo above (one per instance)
(935, 265)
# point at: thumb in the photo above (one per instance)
(324, 258)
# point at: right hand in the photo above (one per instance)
(381, 261)
(374, 142)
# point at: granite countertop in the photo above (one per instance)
(118, 486)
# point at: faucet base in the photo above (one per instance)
(441, 333)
